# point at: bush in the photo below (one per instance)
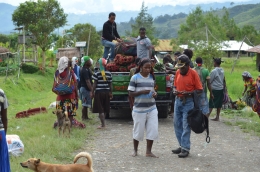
(26, 68)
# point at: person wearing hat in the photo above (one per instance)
(102, 91)
(86, 86)
(143, 45)
(67, 102)
(205, 80)
(186, 82)
(109, 34)
(217, 84)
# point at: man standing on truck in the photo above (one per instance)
(144, 45)
(186, 82)
(109, 34)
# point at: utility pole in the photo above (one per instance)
(88, 39)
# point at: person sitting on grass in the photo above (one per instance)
(4, 156)
(249, 92)
(102, 91)
(144, 113)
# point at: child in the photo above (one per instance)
(145, 114)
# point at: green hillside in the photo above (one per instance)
(167, 26)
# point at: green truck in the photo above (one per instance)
(120, 94)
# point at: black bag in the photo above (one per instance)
(196, 120)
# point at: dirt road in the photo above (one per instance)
(230, 150)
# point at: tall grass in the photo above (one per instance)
(36, 132)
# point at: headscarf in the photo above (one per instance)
(74, 61)
(63, 64)
(84, 59)
(102, 64)
(246, 74)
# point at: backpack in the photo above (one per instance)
(63, 86)
(199, 72)
(196, 120)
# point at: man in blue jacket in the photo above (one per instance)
(109, 34)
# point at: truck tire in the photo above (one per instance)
(163, 111)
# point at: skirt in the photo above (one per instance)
(218, 99)
(71, 105)
(101, 102)
(4, 156)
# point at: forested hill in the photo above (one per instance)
(167, 25)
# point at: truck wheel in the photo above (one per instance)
(163, 111)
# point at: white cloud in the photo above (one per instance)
(95, 6)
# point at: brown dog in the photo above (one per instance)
(38, 166)
(63, 121)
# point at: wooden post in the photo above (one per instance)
(88, 39)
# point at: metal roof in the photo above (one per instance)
(234, 46)
(255, 49)
(163, 45)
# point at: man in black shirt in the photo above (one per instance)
(108, 35)
(86, 86)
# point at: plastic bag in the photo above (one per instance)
(15, 145)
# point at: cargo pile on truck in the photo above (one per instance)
(122, 63)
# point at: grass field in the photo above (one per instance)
(36, 132)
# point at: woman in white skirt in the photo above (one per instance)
(145, 114)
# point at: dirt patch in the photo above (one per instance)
(230, 150)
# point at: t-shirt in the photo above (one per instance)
(102, 85)
(85, 74)
(3, 104)
(143, 47)
(205, 76)
(217, 79)
(189, 82)
(144, 102)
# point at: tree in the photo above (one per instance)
(231, 29)
(80, 32)
(40, 18)
(4, 38)
(194, 29)
(251, 33)
(144, 20)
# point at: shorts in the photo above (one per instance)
(85, 97)
(145, 121)
(204, 103)
(101, 102)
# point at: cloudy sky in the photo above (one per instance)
(94, 6)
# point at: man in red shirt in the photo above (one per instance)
(186, 82)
